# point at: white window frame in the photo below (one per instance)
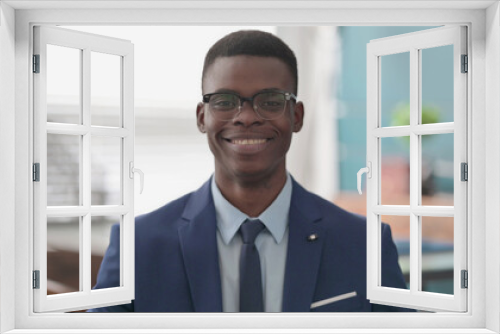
(124, 51)
(413, 44)
(16, 306)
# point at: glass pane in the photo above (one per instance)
(63, 84)
(437, 254)
(400, 228)
(437, 84)
(437, 169)
(63, 255)
(106, 170)
(395, 89)
(395, 170)
(63, 169)
(105, 89)
(101, 230)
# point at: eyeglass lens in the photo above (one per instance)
(268, 105)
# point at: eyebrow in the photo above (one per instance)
(226, 90)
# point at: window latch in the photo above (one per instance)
(368, 171)
(133, 170)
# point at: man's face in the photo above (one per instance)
(248, 146)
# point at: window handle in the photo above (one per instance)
(136, 170)
(368, 171)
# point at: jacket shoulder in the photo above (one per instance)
(166, 213)
(334, 215)
(159, 227)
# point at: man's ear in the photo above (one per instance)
(298, 116)
(200, 117)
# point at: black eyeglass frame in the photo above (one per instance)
(288, 97)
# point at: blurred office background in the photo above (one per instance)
(325, 156)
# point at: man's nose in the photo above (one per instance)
(247, 115)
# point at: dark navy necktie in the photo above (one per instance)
(250, 275)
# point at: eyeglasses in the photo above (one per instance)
(268, 105)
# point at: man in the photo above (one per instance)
(251, 238)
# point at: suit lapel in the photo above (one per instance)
(198, 238)
(304, 254)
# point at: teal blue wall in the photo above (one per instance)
(351, 93)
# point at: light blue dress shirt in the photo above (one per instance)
(271, 243)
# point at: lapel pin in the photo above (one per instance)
(312, 237)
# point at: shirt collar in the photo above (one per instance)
(275, 217)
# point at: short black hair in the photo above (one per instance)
(252, 43)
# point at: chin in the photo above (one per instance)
(254, 172)
(254, 169)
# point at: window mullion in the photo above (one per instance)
(394, 131)
(85, 233)
(414, 171)
(434, 211)
(434, 129)
(80, 211)
(77, 129)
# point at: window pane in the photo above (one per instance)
(395, 170)
(437, 169)
(106, 170)
(395, 89)
(101, 230)
(63, 169)
(437, 254)
(63, 84)
(105, 89)
(400, 228)
(63, 255)
(437, 84)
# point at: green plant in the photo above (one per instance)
(401, 117)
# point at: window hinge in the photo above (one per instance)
(36, 172)
(465, 171)
(36, 279)
(465, 64)
(465, 279)
(36, 63)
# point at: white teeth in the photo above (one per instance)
(248, 141)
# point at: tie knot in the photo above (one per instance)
(250, 229)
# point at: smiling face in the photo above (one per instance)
(248, 147)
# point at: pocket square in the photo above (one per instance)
(335, 299)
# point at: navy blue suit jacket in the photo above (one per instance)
(177, 264)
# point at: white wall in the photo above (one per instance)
(7, 159)
(492, 161)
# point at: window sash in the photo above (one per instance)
(412, 43)
(86, 297)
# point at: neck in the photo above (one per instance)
(251, 195)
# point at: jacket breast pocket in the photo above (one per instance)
(348, 302)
